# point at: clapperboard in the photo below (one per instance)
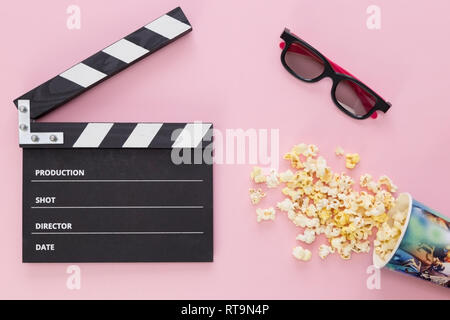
(114, 192)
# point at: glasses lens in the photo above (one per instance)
(354, 98)
(304, 62)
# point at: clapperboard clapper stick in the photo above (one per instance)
(113, 192)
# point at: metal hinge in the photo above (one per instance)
(28, 137)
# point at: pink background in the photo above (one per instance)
(228, 71)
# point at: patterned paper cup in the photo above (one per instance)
(423, 249)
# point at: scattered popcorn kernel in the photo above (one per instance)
(257, 176)
(272, 179)
(265, 214)
(345, 252)
(256, 195)
(324, 216)
(331, 232)
(309, 165)
(294, 159)
(325, 250)
(313, 223)
(365, 179)
(351, 160)
(308, 236)
(386, 198)
(311, 151)
(300, 149)
(361, 247)
(321, 166)
(399, 216)
(337, 242)
(292, 215)
(311, 211)
(303, 221)
(293, 194)
(286, 205)
(390, 231)
(373, 186)
(286, 176)
(386, 181)
(339, 151)
(376, 210)
(301, 254)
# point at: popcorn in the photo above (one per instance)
(337, 242)
(325, 203)
(324, 251)
(300, 149)
(321, 166)
(311, 211)
(294, 157)
(322, 204)
(301, 254)
(301, 220)
(308, 236)
(351, 160)
(390, 231)
(365, 200)
(339, 151)
(361, 247)
(293, 194)
(324, 216)
(292, 215)
(305, 205)
(257, 176)
(331, 232)
(373, 186)
(311, 151)
(377, 209)
(367, 182)
(272, 179)
(365, 179)
(386, 198)
(399, 216)
(334, 204)
(256, 195)
(345, 252)
(265, 214)
(286, 176)
(309, 165)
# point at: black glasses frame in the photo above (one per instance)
(380, 103)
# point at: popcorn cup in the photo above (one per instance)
(423, 248)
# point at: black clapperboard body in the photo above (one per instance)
(112, 192)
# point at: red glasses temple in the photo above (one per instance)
(359, 91)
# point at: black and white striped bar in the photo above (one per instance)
(124, 135)
(106, 63)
